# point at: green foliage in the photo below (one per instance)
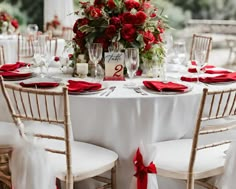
(32, 11)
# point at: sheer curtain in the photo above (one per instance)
(62, 8)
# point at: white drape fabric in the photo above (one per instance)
(148, 156)
(62, 8)
(30, 167)
(227, 180)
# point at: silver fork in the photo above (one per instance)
(111, 89)
(140, 91)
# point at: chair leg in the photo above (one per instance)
(113, 177)
(190, 183)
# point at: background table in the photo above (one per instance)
(9, 43)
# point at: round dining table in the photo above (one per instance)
(121, 119)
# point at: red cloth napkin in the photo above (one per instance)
(221, 78)
(194, 70)
(15, 74)
(81, 86)
(217, 71)
(188, 79)
(161, 86)
(40, 84)
(12, 67)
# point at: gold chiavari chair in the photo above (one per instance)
(25, 50)
(2, 55)
(190, 160)
(73, 161)
(67, 33)
(200, 42)
(52, 46)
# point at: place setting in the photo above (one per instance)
(16, 71)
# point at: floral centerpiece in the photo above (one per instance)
(54, 26)
(132, 23)
(8, 24)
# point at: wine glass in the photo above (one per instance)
(95, 54)
(181, 53)
(131, 63)
(200, 57)
(32, 29)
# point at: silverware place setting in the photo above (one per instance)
(109, 91)
(140, 91)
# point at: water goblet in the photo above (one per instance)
(181, 53)
(200, 56)
(132, 64)
(95, 54)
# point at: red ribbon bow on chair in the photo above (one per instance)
(142, 170)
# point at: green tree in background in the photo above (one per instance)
(32, 9)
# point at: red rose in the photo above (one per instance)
(70, 56)
(140, 17)
(146, 5)
(80, 34)
(75, 27)
(160, 29)
(128, 18)
(153, 15)
(139, 72)
(83, 21)
(103, 41)
(56, 58)
(98, 3)
(148, 37)
(128, 32)
(158, 39)
(115, 21)
(132, 4)
(14, 23)
(110, 31)
(111, 4)
(95, 12)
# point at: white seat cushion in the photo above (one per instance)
(87, 161)
(172, 159)
(9, 134)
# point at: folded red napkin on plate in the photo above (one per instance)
(188, 79)
(12, 67)
(220, 78)
(15, 74)
(81, 86)
(40, 84)
(165, 86)
(217, 71)
(204, 68)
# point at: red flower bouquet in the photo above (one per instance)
(132, 23)
(7, 23)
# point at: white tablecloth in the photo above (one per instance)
(123, 119)
(10, 47)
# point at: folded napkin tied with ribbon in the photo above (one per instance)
(165, 86)
(40, 84)
(81, 86)
(12, 67)
(220, 78)
(15, 74)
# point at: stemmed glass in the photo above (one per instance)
(32, 29)
(181, 53)
(131, 63)
(200, 56)
(95, 54)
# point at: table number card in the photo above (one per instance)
(114, 66)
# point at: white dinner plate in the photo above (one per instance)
(88, 92)
(189, 88)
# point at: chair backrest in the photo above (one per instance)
(2, 55)
(214, 105)
(200, 42)
(67, 33)
(52, 46)
(44, 106)
(25, 48)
